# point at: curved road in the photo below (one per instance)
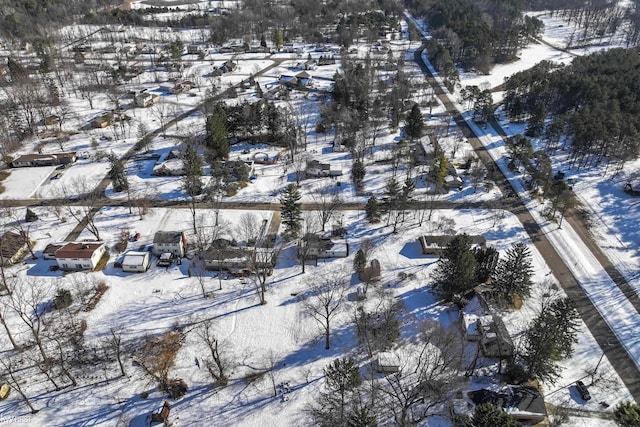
(607, 340)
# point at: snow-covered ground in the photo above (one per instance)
(155, 301)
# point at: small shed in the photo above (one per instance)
(135, 262)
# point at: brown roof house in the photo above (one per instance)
(80, 255)
(13, 248)
(304, 79)
(54, 159)
(50, 251)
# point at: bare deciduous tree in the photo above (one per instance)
(262, 263)
(328, 204)
(248, 228)
(216, 362)
(324, 301)
(84, 213)
(199, 272)
(430, 375)
(27, 302)
(156, 356)
(10, 373)
(115, 342)
(3, 316)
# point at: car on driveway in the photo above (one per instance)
(583, 390)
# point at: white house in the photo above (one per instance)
(317, 169)
(145, 99)
(173, 242)
(135, 262)
(80, 255)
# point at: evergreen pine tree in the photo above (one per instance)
(456, 269)
(442, 170)
(290, 209)
(217, 134)
(30, 216)
(372, 210)
(414, 123)
(487, 260)
(192, 168)
(278, 39)
(359, 261)
(488, 415)
(627, 414)
(342, 375)
(358, 172)
(550, 338)
(117, 174)
(340, 403)
(513, 273)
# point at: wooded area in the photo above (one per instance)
(593, 104)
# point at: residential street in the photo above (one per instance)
(609, 343)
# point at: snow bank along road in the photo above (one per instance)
(612, 326)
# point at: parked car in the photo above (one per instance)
(135, 237)
(583, 390)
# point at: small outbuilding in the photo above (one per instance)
(136, 262)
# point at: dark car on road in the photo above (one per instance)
(583, 390)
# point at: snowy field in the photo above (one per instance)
(155, 301)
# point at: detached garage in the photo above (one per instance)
(135, 262)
